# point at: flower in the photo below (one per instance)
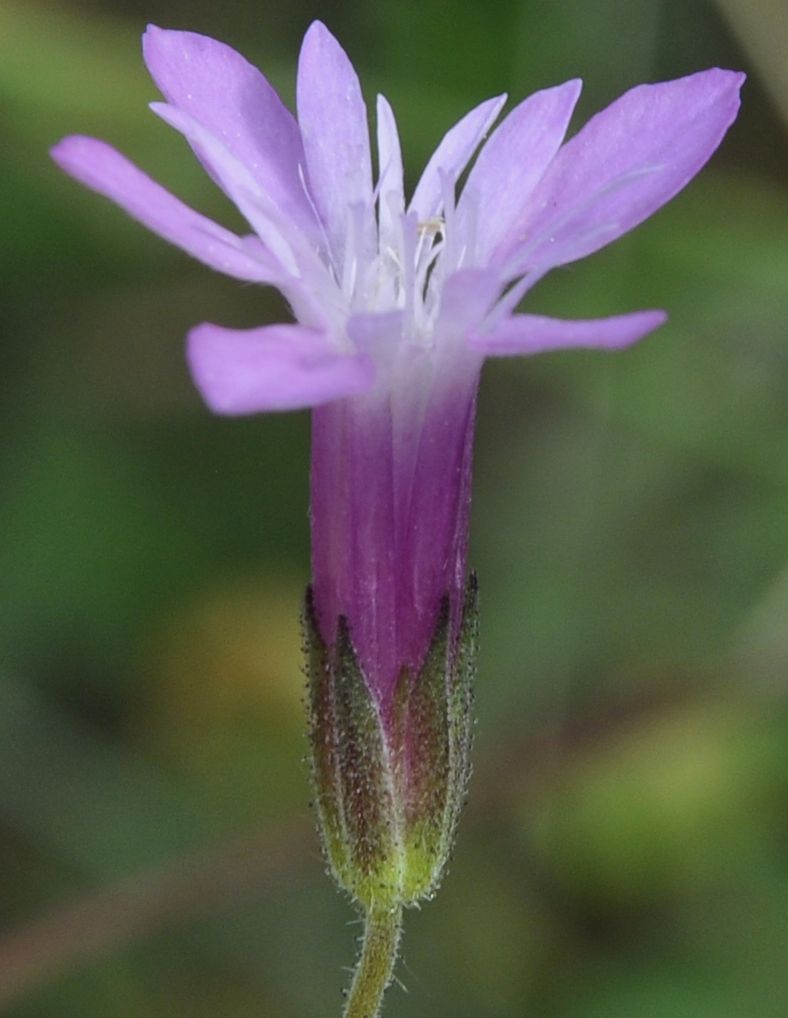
(397, 302)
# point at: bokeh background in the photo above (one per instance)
(625, 850)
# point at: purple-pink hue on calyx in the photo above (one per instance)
(396, 304)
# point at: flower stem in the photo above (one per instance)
(376, 963)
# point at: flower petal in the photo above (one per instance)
(531, 334)
(234, 101)
(277, 233)
(451, 157)
(333, 121)
(512, 162)
(391, 186)
(297, 269)
(625, 164)
(103, 169)
(466, 298)
(377, 333)
(278, 367)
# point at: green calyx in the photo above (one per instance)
(389, 789)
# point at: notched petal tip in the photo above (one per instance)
(716, 87)
(722, 77)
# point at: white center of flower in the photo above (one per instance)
(404, 266)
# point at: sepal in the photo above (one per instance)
(390, 784)
(351, 771)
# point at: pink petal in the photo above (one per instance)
(452, 156)
(235, 103)
(238, 183)
(391, 187)
(512, 162)
(333, 121)
(279, 367)
(103, 169)
(531, 334)
(625, 164)
(377, 333)
(466, 299)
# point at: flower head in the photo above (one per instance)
(396, 301)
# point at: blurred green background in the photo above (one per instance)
(625, 850)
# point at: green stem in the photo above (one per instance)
(376, 963)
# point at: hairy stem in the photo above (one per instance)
(376, 963)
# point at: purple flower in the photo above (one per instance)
(397, 303)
